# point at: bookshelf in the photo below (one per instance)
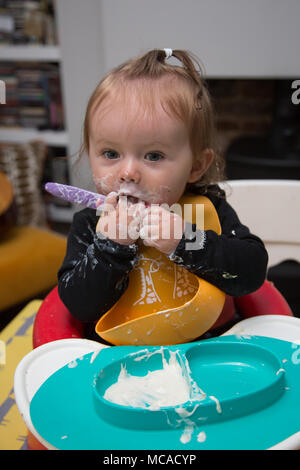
(80, 55)
(18, 135)
(33, 76)
(30, 53)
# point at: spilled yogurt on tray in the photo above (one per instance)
(169, 386)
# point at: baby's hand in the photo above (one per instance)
(161, 229)
(120, 221)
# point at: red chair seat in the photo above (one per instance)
(53, 321)
(267, 300)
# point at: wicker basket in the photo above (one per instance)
(24, 164)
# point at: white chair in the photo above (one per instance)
(271, 210)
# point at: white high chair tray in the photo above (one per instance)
(37, 366)
(273, 326)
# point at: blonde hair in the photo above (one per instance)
(182, 93)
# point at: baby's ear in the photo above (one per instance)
(201, 165)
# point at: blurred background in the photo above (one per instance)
(53, 54)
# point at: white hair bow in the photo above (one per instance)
(168, 52)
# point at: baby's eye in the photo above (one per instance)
(153, 156)
(110, 154)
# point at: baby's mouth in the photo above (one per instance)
(133, 199)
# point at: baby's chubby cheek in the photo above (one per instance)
(104, 184)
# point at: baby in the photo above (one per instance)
(150, 139)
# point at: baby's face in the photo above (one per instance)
(132, 153)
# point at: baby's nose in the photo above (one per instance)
(130, 173)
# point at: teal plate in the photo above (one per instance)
(251, 401)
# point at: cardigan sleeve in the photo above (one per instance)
(95, 271)
(235, 261)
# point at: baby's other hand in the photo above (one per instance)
(161, 229)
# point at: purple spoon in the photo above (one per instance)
(73, 194)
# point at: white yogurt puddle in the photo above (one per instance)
(169, 386)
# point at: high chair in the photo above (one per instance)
(54, 322)
(270, 208)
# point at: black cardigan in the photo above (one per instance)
(95, 271)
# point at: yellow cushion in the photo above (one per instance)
(29, 260)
